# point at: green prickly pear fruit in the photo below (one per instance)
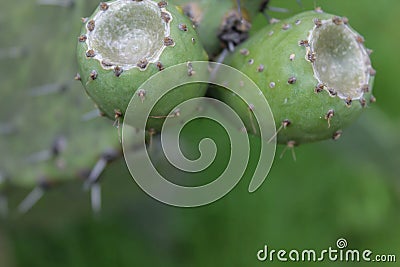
(314, 71)
(126, 42)
(219, 23)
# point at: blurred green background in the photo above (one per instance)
(345, 189)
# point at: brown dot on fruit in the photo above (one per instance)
(292, 80)
(165, 17)
(190, 70)
(90, 53)
(160, 66)
(319, 88)
(168, 41)
(286, 123)
(162, 4)
(82, 38)
(142, 63)
(311, 56)
(286, 26)
(105, 63)
(363, 102)
(348, 101)
(118, 71)
(332, 92)
(337, 135)
(142, 94)
(328, 116)
(103, 6)
(360, 39)
(337, 20)
(183, 27)
(365, 88)
(244, 51)
(304, 43)
(91, 25)
(93, 75)
(317, 22)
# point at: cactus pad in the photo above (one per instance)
(49, 131)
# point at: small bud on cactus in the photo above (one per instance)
(317, 74)
(126, 42)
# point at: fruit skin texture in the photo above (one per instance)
(213, 19)
(112, 92)
(277, 62)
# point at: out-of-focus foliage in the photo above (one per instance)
(349, 188)
(45, 130)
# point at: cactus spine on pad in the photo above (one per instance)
(49, 132)
(313, 69)
(126, 42)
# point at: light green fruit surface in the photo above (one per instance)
(211, 16)
(274, 55)
(126, 32)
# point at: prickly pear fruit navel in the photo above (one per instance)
(314, 71)
(124, 43)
